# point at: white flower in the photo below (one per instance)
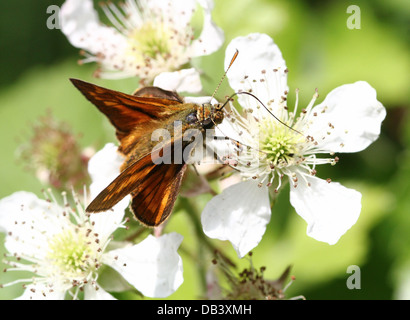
(147, 37)
(348, 120)
(64, 247)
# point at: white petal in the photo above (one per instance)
(103, 168)
(329, 209)
(355, 114)
(42, 292)
(200, 100)
(179, 11)
(239, 214)
(80, 24)
(185, 80)
(29, 220)
(105, 223)
(91, 293)
(8, 206)
(153, 266)
(212, 37)
(253, 69)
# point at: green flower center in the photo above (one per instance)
(280, 144)
(151, 41)
(70, 253)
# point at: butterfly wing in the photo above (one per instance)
(147, 107)
(122, 185)
(154, 187)
(154, 198)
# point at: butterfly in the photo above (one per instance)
(152, 184)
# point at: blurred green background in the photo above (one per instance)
(321, 52)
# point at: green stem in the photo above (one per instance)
(136, 234)
(203, 241)
(193, 215)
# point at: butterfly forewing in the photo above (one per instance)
(128, 112)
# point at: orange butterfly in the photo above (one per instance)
(153, 185)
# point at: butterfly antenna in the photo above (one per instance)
(257, 99)
(222, 79)
(224, 75)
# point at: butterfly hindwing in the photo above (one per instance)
(153, 186)
(154, 198)
(122, 185)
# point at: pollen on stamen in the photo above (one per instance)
(334, 161)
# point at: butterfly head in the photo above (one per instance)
(217, 114)
(206, 116)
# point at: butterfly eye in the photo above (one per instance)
(191, 118)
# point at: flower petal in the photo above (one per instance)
(200, 100)
(180, 12)
(9, 205)
(351, 119)
(40, 291)
(104, 167)
(212, 37)
(80, 23)
(239, 214)
(185, 80)
(252, 69)
(28, 219)
(91, 293)
(153, 266)
(329, 209)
